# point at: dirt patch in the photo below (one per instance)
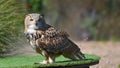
(108, 51)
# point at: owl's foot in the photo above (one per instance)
(43, 62)
(51, 59)
(48, 60)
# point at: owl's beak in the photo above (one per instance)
(36, 24)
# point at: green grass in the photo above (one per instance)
(119, 66)
(28, 61)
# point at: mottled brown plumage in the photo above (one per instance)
(52, 42)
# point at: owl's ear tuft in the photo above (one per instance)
(26, 15)
(42, 15)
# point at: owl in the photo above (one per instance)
(49, 41)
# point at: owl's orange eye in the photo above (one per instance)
(31, 19)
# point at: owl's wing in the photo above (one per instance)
(56, 40)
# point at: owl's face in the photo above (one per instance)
(34, 21)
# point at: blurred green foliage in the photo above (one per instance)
(34, 6)
(105, 27)
(11, 22)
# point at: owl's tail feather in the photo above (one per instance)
(75, 56)
(80, 55)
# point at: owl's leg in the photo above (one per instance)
(51, 59)
(44, 53)
(46, 61)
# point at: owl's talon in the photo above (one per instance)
(44, 62)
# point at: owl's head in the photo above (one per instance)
(35, 21)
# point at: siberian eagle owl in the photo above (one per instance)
(49, 41)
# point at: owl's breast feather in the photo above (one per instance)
(33, 44)
(31, 31)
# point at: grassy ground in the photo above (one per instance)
(108, 51)
(28, 61)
